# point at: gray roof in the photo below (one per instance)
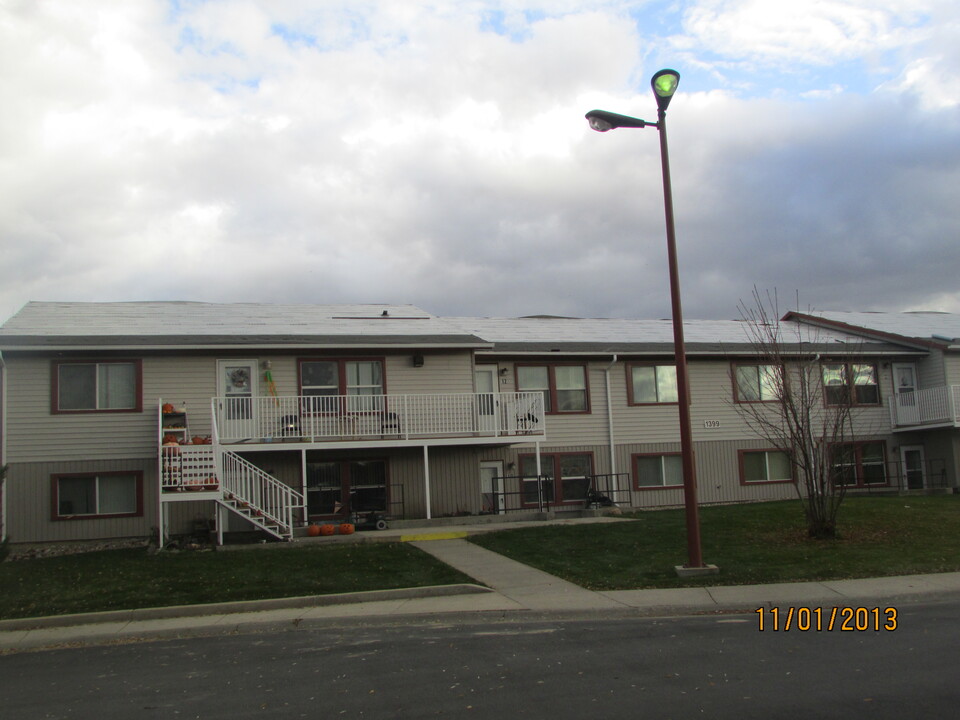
(938, 327)
(144, 325)
(189, 324)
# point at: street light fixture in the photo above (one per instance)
(664, 84)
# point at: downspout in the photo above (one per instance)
(3, 447)
(613, 452)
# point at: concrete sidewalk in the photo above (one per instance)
(512, 588)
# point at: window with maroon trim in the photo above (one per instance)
(84, 386)
(652, 384)
(859, 464)
(338, 487)
(360, 379)
(765, 466)
(850, 383)
(97, 495)
(564, 478)
(657, 471)
(755, 383)
(564, 387)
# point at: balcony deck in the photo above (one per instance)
(927, 408)
(378, 420)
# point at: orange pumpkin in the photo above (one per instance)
(313, 531)
(326, 529)
(167, 408)
(346, 528)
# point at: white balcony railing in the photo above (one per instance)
(354, 417)
(931, 406)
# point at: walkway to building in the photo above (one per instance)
(505, 587)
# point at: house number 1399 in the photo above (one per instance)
(711, 423)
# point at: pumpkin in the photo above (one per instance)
(313, 531)
(167, 408)
(346, 528)
(198, 440)
(326, 529)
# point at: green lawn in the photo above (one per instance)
(756, 543)
(123, 579)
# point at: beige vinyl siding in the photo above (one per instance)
(718, 475)
(34, 434)
(29, 498)
(951, 364)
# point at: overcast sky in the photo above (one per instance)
(436, 153)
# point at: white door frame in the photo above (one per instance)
(904, 449)
(488, 407)
(496, 486)
(245, 421)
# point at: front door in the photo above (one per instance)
(905, 389)
(237, 393)
(911, 458)
(485, 377)
(491, 488)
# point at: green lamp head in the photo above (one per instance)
(664, 85)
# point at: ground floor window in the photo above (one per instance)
(339, 487)
(113, 494)
(564, 478)
(657, 471)
(765, 466)
(858, 464)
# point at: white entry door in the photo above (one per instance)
(491, 487)
(237, 392)
(905, 392)
(486, 379)
(912, 461)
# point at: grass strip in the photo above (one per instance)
(752, 543)
(125, 579)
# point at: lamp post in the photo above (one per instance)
(664, 85)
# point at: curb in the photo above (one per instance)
(239, 606)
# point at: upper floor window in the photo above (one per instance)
(331, 378)
(755, 383)
(650, 384)
(564, 387)
(105, 386)
(850, 383)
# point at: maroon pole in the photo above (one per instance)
(695, 556)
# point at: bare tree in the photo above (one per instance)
(810, 413)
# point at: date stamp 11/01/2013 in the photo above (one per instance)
(815, 619)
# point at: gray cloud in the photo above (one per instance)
(408, 153)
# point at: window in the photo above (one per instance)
(854, 383)
(360, 380)
(565, 478)
(858, 464)
(657, 471)
(564, 387)
(650, 384)
(112, 386)
(756, 383)
(339, 487)
(95, 496)
(765, 466)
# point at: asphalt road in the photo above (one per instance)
(720, 666)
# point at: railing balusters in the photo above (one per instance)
(346, 417)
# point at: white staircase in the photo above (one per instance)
(208, 472)
(257, 496)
